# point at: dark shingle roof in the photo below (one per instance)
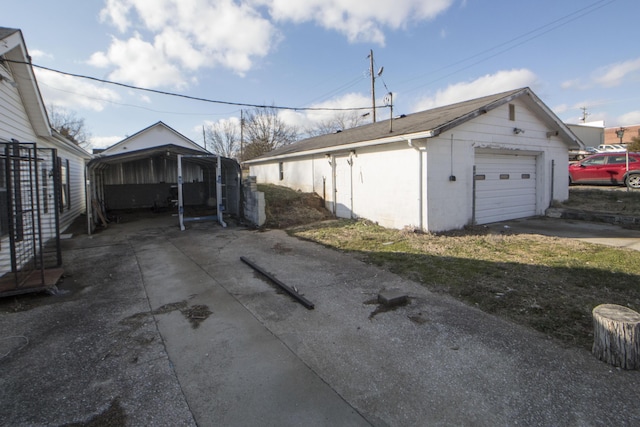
(6, 32)
(437, 120)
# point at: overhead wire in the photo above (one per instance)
(179, 95)
(535, 33)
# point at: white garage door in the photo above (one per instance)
(505, 187)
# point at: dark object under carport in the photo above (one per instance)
(302, 300)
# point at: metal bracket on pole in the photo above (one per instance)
(293, 292)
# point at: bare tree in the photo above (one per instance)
(340, 121)
(264, 131)
(634, 145)
(69, 125)
(224, 137)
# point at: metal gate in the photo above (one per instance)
(29, 190)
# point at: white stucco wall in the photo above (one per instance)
(408, 184)
(450, 203)
(386, 185)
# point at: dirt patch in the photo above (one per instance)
(287, 208)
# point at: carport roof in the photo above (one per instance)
(424, 124)
(168, 150)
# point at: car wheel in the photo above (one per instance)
(633, 180)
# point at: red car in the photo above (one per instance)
(607, 168)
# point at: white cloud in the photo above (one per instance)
(486, 85)
(615, 74)
(186, 35)
(630, 118)
(178, 37)
(560, 109)
(104, 141)
(69, 92)
(139, 62)
(309, 119)
(39, 54)
(571, 84)
(359, 21)
(116, 12)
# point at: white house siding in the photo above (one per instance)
(77, 193)
(15, 124)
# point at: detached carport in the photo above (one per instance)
(181, 181)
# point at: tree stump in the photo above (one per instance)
(616, 336)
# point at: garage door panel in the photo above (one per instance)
(505, 187)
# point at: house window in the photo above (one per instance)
(281, 170)
(512, 112)
(65, 202)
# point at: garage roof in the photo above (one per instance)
(423, 124)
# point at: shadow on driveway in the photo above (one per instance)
(160, 327)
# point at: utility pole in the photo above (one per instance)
(584, 114)
(373, 84)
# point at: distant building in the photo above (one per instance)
(611, 134)
(591, 134)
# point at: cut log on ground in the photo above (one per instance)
(616, 335)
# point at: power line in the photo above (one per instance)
(179, 95)
(511, 44)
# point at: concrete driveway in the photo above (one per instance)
(592, 232)
(162, 327)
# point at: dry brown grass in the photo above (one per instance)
(617, 200)
(286, 208)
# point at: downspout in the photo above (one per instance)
(420, 184)
(87, 198)
(334, 190)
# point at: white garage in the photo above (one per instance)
(489, 159)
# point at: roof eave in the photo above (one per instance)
(346, 147)
(16, 51)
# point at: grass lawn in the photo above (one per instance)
(547, 283)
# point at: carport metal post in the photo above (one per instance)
(220, 199)
(180, 201)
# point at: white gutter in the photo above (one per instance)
(349, 146)
(420, 150)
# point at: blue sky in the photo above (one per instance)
(314, 53)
